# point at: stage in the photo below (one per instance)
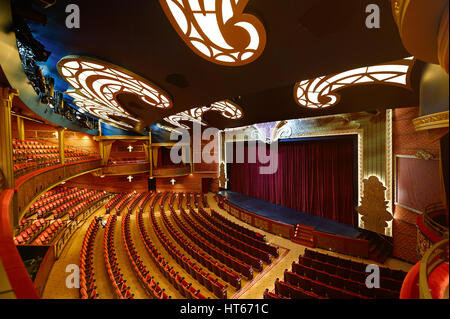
(288, 216)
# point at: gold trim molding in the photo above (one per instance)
(432, 121)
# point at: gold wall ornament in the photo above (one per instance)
(373, 208)
(423, 154)
(227, 108)
(431, 121)
(217, 30)
(96, 86)
(222, 178)
(322, 93)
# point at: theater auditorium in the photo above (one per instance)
(224, 149)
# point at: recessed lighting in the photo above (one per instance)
(218, 31)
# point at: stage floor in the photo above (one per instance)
(289, 216)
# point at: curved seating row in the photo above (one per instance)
(113, 202)
(238, 227)
(52, 199)
(28, 235)
(89, 200)
(256, 263)
(234, 263)
(203, 258)
(147, 281)
(121, 290)
(123, 202)
(347, 274)
(49, 234)
(87, 280)
(325, 284)
(205, 279)
(394, 274)
(262, 245)
(163, 265)
(288, 290)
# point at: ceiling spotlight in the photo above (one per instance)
(217, 31)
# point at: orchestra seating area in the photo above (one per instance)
(29, 156)
(319, 276)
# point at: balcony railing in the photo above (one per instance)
(433, 258)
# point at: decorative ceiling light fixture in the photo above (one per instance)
(98, 83)
(321, 93)
(227, 108)
(217, 30)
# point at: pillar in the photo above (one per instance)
(61, 145)
(6, 153)
(21, 128)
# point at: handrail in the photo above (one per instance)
(439, 229)
(435, 256)
(12, 262)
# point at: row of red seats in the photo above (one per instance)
(164, 267)
(212, 284)
(89, 200)
(287, 290)
(113, 202)
(143, 202)
(26, 144)
(271, 295)
(230, 261)
(394, 274)
(49, 234)
(29, 234)
(358, 289)
(87, 280)
(147, 281)
(121, 204)
(207, 261)
(256, 263)
(133, 203)
(247, 248)
(57, 197)
(121, 290)
(238, 227)
(254, 243)
(347, 273)
(61, 206)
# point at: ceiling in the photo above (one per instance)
(305, 39)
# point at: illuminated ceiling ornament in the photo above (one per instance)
(217, 30)
(271, 132)
(320, 93)
(98, 83)
(227, 108)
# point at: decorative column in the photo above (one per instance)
(6, 153)
(61, 145)
(20, 128)
(149, 150)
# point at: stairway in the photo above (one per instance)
(304, 235)
(380, 247)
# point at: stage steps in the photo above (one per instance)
(304, 235)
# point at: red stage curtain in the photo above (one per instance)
(313, 176)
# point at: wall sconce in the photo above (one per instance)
(172, 181)
(130, 178)
(130, 148)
